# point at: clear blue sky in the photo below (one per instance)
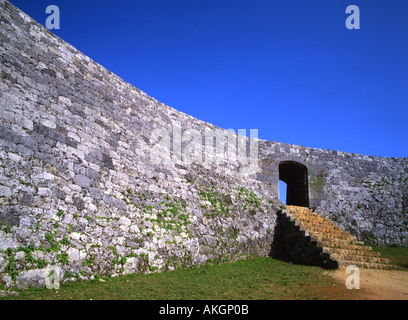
(290, 69)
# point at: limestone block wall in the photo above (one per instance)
(80, 188)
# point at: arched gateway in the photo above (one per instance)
(294, 174)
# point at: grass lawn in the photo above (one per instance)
(254, 279)
(258, 278)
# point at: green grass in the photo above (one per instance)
(258, 278)
(254, 279)
(397, 255)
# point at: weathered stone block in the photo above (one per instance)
(82, 181)
(23, 121)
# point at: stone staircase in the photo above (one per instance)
(335, 243)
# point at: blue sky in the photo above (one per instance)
(290, 69)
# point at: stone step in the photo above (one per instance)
(319, 235)
(334, 236)
(314, 219)
(319, 221)
(341, 251)
(329, 245)
(319, 224)
(338, 243)
(326, 231)
(366, 265)
(358, 258)
(314, 222)
(328, 226)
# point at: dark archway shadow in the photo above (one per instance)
(278, 244)
(295, 175)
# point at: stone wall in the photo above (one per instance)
(82, 188)
(367, 196)
(79, 187)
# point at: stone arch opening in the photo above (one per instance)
(294, 174)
